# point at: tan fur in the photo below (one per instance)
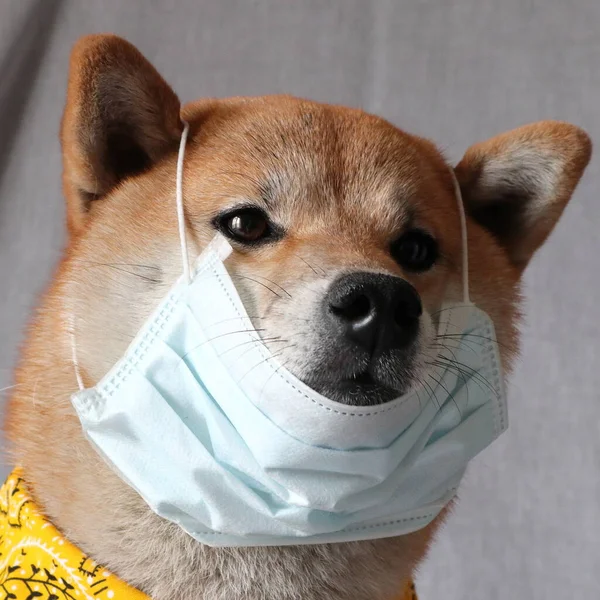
(344, 183)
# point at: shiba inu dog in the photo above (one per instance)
(325, 206)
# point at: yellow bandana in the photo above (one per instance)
(37, 562)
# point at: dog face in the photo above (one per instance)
(341, 256)
(345, 229)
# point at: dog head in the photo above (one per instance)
(347, 243)
(346, 229)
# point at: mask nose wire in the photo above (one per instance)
(179, 200)
(463, 235)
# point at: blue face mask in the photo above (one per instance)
(204, 423)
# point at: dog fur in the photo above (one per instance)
(343, 183)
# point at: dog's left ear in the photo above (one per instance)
(517, 184)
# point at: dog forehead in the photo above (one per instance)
(326, 139)
(295, 151)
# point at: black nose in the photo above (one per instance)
(376, 312)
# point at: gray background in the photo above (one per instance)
(528, 524)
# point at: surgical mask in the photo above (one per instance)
(217, 436)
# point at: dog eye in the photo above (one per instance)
(415, 251)
(246, 225)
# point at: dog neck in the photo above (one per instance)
(35, 556)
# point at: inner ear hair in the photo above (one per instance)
(516, 185)
(120, 118)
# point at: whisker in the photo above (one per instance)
(236, 276)
(474, 335)
(432, 395)
(458, 372)
(453, 362)
(314, 270)
(216, 338)
(247, 351)
(450, 395)
(121, 269)
(116, 264)
(10, 387)
(449, 364)
(451, 308)
(419, 381)
(268, 358)
(275, 283)
(249, 317)
(459, 366)
(473, 372)
(438, 342)
(441, 348)
(266, 341)
(451, 350)
(275, 371)
(467, 334)
(257, 341)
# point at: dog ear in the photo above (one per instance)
(517, 184)
(120, 118)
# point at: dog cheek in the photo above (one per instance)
(426, 350)
(293, 327)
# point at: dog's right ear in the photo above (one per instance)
(120, 118)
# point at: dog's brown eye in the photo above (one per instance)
(247, 225)
(415, 251)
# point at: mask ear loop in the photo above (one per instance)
(463, 234)
(74, 358)
(182, 239)
(179, 200)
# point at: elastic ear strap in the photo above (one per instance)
(74, 358)
(179, 199)
(463, 235)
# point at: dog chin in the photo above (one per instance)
(362, 390)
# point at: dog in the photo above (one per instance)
(305, 192)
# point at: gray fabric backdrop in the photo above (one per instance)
(528, 524)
